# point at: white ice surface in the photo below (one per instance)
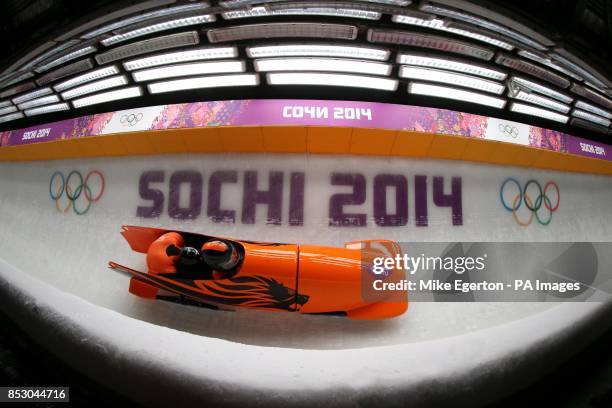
(162, 367)
(457, 345)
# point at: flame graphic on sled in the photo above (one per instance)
(246, 291)
(254, 291)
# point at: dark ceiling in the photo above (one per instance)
(584, 27)
(585, 24)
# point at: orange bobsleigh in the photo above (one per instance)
(310, 279)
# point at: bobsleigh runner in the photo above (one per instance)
(222, 273)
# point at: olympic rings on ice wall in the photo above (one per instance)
(522, 197)
(76, 189)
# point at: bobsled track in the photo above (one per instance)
(55, 279)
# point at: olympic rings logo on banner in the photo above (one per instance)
(508, 130)
(131, 119)
(522, 197)
(78, 190)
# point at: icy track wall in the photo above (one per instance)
(303, 199)
(288, 198)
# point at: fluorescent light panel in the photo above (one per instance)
(181, 56)
(88, 77)
(531, 69)
(237, 3)
(31, 95)
(591, 95)
(143, 17)
(322, 64)
(588, 125)
(344, 4)
(45, 55)
(391, 2)
(544, 90)
(429, 41)
(8, 109)
(547, 61)
(318, 50)
(22, 87)
(65, 58)
(590, 117)
(12, 116)
(303, 11)
(313, 78)
(167, 25)
(116, 95)
(96, 86)
(540, 100)
(283, 30)
(147, 46)
(16, 79)
(450, 65)
(47, 109)
(482, 22)
(593, 109)
(577, 69)
(538, 112)
(198, 68)
(4, 104)
(450, 78)
(45, 100)
(440, 25)
(67, 70)
(6, 75)
(215, 81)
(437, 91)
(600, 89)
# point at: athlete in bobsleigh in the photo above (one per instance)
(225, 273)
(216, 259)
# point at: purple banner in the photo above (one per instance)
(307, 113)
(324, 113)
(44, 133)
(583, 147)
